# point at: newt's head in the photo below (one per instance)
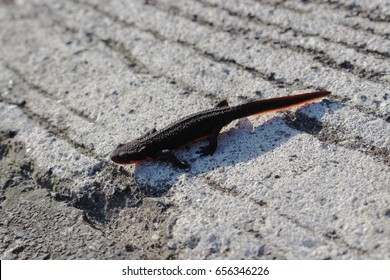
(128, 153)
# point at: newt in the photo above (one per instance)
(202, 125)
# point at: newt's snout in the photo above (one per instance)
(125, 154)
(115, 157)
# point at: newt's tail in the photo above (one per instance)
(275, 104)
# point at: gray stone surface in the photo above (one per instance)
(78, 77)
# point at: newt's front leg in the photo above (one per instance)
(213, 137)
(169, 155)
(213, 142)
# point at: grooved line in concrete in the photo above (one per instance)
(257, 20)
(320, 55)
(331, 237)
(227, 61)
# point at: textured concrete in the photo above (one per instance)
(78, 77)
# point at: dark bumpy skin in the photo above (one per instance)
(206, 124)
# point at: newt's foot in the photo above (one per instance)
(205, 151)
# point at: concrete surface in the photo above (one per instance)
(78, 77)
